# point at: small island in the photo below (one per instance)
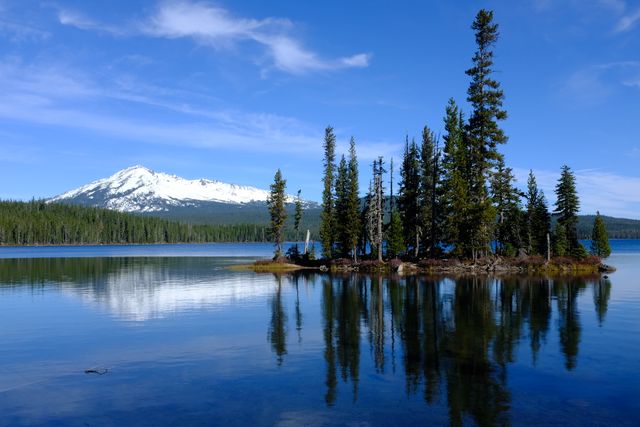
(458, 208)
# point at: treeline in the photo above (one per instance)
(40, 223)
(455, 196)
(617, 228)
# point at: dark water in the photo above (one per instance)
(187, 342)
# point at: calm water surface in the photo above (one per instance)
(185, 341)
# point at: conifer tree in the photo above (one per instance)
(395, 243)
(371, 213)
(365, 235)
(560, 242)
(297, 218)
(507, 203)
(409, 196)
(567, 207)
(277, 211)
(341, 206)
(327, 216)
(484, 134)
(427, 192)
(599, 238)
(456, 197)
(378, 187)
(538, 221)
(352, 218)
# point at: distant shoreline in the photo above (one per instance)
(66, 245)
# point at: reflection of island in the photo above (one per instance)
(454, 338)
(140, 288)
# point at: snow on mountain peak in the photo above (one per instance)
(139, 189)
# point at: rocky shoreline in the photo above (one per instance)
(486, 266)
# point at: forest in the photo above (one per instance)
(40, 223)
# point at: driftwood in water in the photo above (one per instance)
(98, 371)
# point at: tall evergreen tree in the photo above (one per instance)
(378, 187)
(538, 221)
(297, 218)
(352, 217)
(409, 196)
(599, 238)
(365, 215)
(484, 134)
(341, 207)
(277, 211)
(327, 216)
(456, 192)
(509, 215)
(395, 241)
(567, 207)
(427, 192)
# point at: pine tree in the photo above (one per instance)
(297, 218)
(395, 244)
(371, 213)
(507, 204)
(365, 215)
(427, 192)
(378, 187)
(560, 242)
(327, 216)
(456, 192)
(567, 207)
(277, 211)
(341, 206)
(352, 217)
(409, 196)
(599, 238)
(483, 131)
(538, 221)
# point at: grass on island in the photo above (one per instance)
(279, 265)
(490, 265)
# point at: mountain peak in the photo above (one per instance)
(140, 189)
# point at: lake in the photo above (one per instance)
(168, 335)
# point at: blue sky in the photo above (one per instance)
(234, 90)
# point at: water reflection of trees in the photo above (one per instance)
(454, 339)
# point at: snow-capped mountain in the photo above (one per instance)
(139, 189)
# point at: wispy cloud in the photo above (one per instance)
(80, 21)
(214, 26)
(628, 21)
(56, 95)
(610, 193)
(17, 32)
(593, 84)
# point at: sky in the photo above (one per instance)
(235, 90)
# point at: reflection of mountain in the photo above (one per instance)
(141, 288)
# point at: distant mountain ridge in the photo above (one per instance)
(138, 189)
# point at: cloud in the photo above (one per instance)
(627, 22)
(593, 84)
(607, 192)
(55, 95)
(82, 22)
(19, 32)
(213, 26)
